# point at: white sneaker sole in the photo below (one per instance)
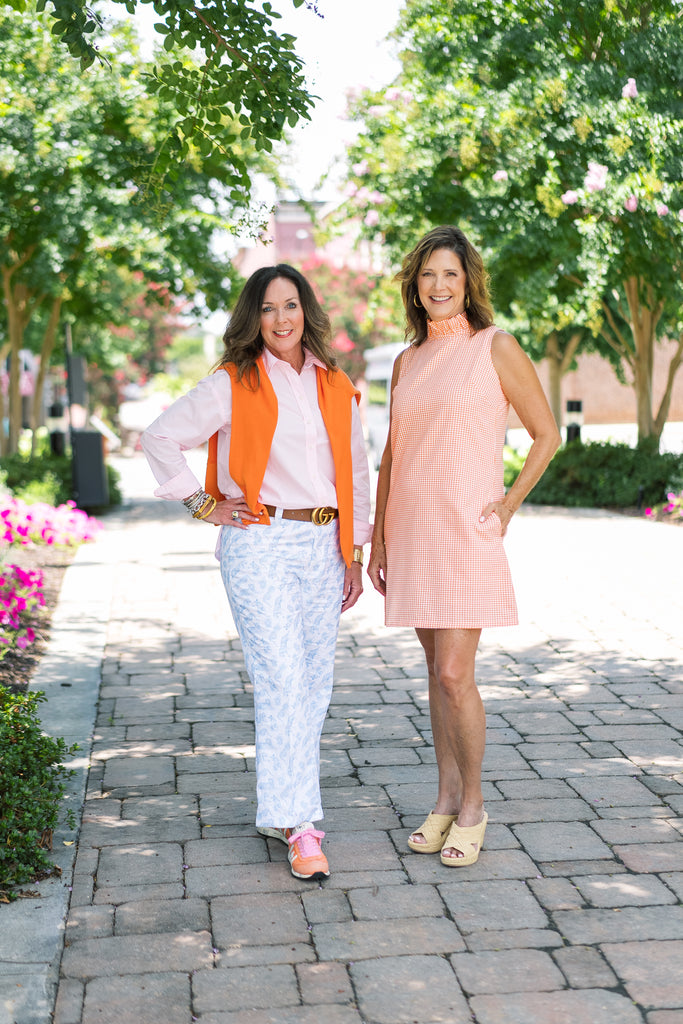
(317, 876)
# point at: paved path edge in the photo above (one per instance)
(69, 673)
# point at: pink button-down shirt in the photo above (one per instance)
(300, 470)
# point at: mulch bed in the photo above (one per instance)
(17, 667)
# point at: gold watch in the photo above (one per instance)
(358, 555)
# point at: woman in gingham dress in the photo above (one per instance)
(442, 512)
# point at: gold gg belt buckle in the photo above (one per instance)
(322, 515)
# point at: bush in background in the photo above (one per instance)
(32, 780)
(604, 475)
(46, 477)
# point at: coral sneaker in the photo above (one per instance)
(306, 859)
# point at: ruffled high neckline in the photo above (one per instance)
(458, 324)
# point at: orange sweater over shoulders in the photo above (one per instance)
(254, 418)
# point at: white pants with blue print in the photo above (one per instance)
(284, 583)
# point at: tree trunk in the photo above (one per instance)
(45, 354)
(19, 303)
(558, 366)
(4, 352)
(665, 403)
(645, 312)
(15, 299)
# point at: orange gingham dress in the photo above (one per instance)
(445, 569)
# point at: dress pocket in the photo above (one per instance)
(491, 525)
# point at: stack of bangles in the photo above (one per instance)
(200, 504)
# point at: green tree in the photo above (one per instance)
(246, 81)
(71, 214)
(551, 131)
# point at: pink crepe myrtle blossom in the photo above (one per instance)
(342, 342)
(570, 197)
(631, 204)
(500, 176)
(630, 91)
(360, 168)
(371, 219)
(596, 177)
(661, 209)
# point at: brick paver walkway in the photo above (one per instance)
(180, 911)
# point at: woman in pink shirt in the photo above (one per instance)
(288, 484)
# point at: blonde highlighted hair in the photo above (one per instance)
(478, 309)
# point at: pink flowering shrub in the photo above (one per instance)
(671, 509)
(21, 601)
(21, 591)
(63, 526)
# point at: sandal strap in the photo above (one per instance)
(462, 837)
(435, 825)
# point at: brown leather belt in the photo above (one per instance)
(321, 516)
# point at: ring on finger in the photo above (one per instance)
(235, 514)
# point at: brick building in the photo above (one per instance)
(604, 399)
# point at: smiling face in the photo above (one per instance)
(441, 285)
(282, 321)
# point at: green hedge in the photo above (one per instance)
(603, 475)
(46, 477)
(31, 788)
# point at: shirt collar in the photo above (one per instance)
(270, 361)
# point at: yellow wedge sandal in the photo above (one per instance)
(468, 841)
(434, 829)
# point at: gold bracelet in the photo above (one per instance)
(206, 509)
(358, 555)
(202, 504)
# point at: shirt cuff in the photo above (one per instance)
(180, 486)
(362, 532)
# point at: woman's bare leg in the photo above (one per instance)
(458, 722)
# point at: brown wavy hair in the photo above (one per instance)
(243, 342)
(478, 309)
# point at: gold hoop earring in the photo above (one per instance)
(467, 301)
(418, 305)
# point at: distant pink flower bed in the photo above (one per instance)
(21, 591)
(21, 598)
(63, 526)
(671, 509)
